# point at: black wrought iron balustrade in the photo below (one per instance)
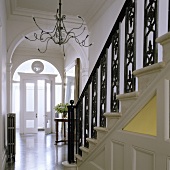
(115, 71)
(130, 55)
(95, 90)
(79, 125)
(86, 120)
(103, 89)
(94, 104)
(150, 32)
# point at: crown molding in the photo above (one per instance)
(15, 13)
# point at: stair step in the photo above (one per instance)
(112, 118)
(100, 132)
(78, 157)
(92, 143)
(68, 166)
(84, 149)
(147, 74)
(164, 41)
(127, 100)
(91, 140)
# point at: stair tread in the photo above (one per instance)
(91, 140)
(149, 69)
(78, 157)
(66, 164)
(126, 96)
(113, 115)
(84, 149)
(101, 129)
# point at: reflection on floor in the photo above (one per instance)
(38, 152)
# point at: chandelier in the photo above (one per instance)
(59, 35)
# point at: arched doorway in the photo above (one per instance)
(42, 82)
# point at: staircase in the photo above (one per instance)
(128, 131)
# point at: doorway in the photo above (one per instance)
(36, 111)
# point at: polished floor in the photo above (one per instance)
(38, 152)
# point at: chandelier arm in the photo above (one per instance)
(78, 34)
(67, 39)
(43, 33)
(82, 43)
(77, 27)
(41, 37)
(30, 39)
(37, 24)
(45, 47)
(35, 36)
(68, 36)
(53, 29)
(73, 36)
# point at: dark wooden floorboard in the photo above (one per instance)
(38, 152)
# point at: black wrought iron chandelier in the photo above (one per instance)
(59, 35)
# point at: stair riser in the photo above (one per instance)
(100, 135)
(125, 104)
(145, 80)
(111, 122)
(91, 146)
(84, 154)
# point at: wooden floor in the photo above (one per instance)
(38, 152)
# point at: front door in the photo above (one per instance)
(36, 102)
(30, 106)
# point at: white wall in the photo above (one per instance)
(101, 29)
(3, 108)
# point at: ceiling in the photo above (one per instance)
(85, 8)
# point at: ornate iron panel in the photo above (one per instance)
(150, 33)
(79, 126)
(115, 70)
(86, 123)
(94, 105)
(103, 90)
(130, 56)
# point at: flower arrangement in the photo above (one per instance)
(62, 108)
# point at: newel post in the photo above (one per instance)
(71, 132)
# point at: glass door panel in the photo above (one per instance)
(30, 106)
(30, 90)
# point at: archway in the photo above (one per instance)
(25, 67)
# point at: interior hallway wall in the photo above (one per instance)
(3, 108)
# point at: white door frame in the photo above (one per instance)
(29, 76)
